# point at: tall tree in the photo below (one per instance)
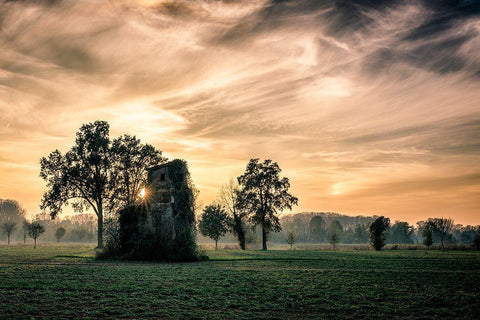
(378, 232)
(11, 213)
(213, 223)
(130, 160)
(263, 194)
(82, 175)
(230, 199)
(35, 229)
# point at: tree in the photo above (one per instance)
(333, 237)
(291, 238)
(97, 174)
(60, 233)
(35, 229)
(130, 159)
(214, 222)
(263, 194)
(317, 229)
(378, 230)
(442, 226)
(81, 175)
(427, 234)
(11, 213)
(229, 198)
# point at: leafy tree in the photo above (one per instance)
(333, 237)
(378, 230)
(214, 222)
(291, 238)
(60, 233)
(401, 232)
(130, 159)
(427, 234)
(96, 173)
(81, 175)
(442, 226)
(11, 213)
(263, 194)
(229, 198)
(317, 229)
(35, 229)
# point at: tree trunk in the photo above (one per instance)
(8, 236)
(240, 232)
(241, 239)
(264, 239)
(35, 242)
(100, 229)
(216, 247)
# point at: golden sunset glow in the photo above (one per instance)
(368, 113)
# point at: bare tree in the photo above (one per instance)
(229, 198)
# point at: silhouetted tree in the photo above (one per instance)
(214, 222)
(333, 237)
(81, 175)
(35, 229)
(317, 229)
(11, 213)
(291, 238)
(378, 232)
(59, 233)
(229, 198)
(263, 194)
(130, 160)
(442, 226)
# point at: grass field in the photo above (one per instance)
(63, 281)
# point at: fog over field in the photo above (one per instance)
(369, 107)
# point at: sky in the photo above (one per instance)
(368, 106)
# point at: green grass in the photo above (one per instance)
(67, 282)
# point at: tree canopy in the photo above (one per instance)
(264, 194)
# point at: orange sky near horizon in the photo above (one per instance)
(367, 110)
